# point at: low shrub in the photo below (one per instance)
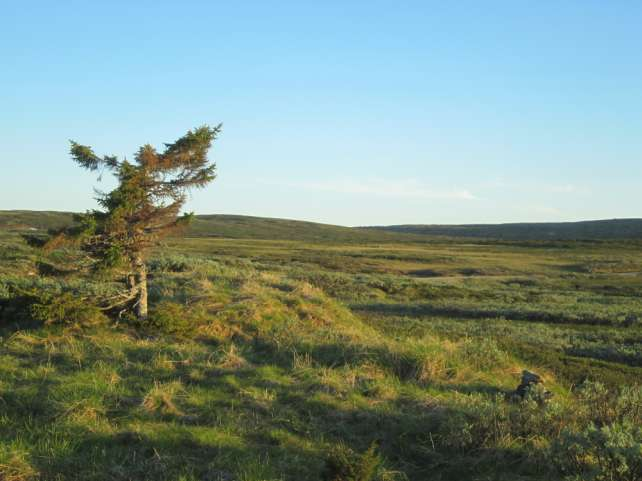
(482, 353)
(171, 264)
(607, 453)
(487, 423)
(343, 464)
(169, 317)
(65, 308)
(628, 405)
(603, 406)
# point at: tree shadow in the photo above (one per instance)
(15, 313)
(245, 417)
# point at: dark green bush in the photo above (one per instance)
(16, 308)
(173, 318)
(343, 464)
(65, 308)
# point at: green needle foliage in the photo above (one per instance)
(143, 208)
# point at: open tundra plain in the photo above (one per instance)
(271, 358)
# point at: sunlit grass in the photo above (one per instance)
(276, 352)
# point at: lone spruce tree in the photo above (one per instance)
(143, 208)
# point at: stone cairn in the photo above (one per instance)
(530, 379)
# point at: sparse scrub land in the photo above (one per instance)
(268, 359)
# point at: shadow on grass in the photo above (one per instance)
(428, 310)
(15, 314)
(170, 454)
(278, 426)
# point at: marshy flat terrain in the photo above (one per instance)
(279, 350)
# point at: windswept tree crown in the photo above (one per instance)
(144, 206)
(150, 194)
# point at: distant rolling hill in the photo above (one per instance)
(224, 226)
(33, 219)
(246, 227)
(584, 230)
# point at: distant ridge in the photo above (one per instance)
(248, 227)
(224, 226)
(582, 230)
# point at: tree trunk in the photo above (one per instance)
(131, 284)
(141, 284)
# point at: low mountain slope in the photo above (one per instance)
(584, 230)
(248, 227)
(225, 226)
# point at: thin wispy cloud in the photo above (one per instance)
(384, 188)
(534, 186)
(564, 189)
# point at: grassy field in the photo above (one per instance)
(277, 359)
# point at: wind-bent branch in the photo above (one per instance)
(142, 209)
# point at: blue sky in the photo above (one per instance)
(346, 112)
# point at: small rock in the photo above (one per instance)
(530, 379)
